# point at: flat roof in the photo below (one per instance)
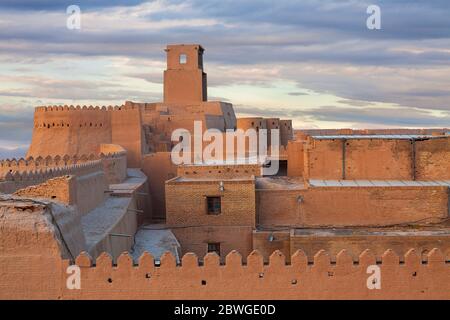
(378, 183)
(280, 183)
(371, 232)
(156, 241)
(227, 162)
(209, 179)
(377, 136)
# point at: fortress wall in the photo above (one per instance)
(296, 161)
(196, 239)
(333, 132)
(256, 280)
(114, 159)
(323, 159)
(353, 244)
(30, 164)
(286, 132)
(27, 275)
(226, 109)
(278, 208)
(69, 130)
(433, 159)
(360, 159)
(378, 159)
(215, 121)
(186, 203)
(91, 191)
(91, 184)
(19, 180)
(346, 206)
(126, 128)
(251, 123)
(219, 171)
(31, 249)
(266, 242)
(62, 189)
(158, 168)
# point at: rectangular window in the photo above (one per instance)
(214, 205)
(183, 58)
(214, 247)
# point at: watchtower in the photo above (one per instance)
(184, 79)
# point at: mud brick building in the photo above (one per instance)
(99, 189)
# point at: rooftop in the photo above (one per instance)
(280, 183)
(156, 241)
(371, 232)
(378, 183)
(377, 136)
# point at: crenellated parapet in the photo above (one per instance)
(32, 165)
(392, 277)
(77, 107)
(57, 108)
(43, 174)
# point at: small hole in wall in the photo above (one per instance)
(148, 275)
(414, 274)
(261, 275)
(53, 197)
(330, 273)
(294, 282)
(203, 282)
(109, 280)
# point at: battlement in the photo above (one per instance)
(255, 259)
(411, 278)
(127, 106)
(32, 165)
(78, 107)
(77, 169)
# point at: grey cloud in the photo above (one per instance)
(296, 94)
(403, 117)
(13, 153)
(291, 40)
(16, 125)
(356, 103)
(44, 5)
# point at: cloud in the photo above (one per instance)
(61, 5)
(382, 117)
(296, 94)
(16, 125)
(13, 153)
(315, 49)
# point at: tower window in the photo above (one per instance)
(214, 247)
(214, 205)
(183, 58)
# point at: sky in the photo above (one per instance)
(313, 61)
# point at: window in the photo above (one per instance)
(183, 58)
(214, 247)
(214, 205)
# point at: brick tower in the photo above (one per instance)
(184, 79)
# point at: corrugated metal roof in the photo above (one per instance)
(377, 183)
(378, 136)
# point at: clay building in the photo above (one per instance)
(99, 189)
